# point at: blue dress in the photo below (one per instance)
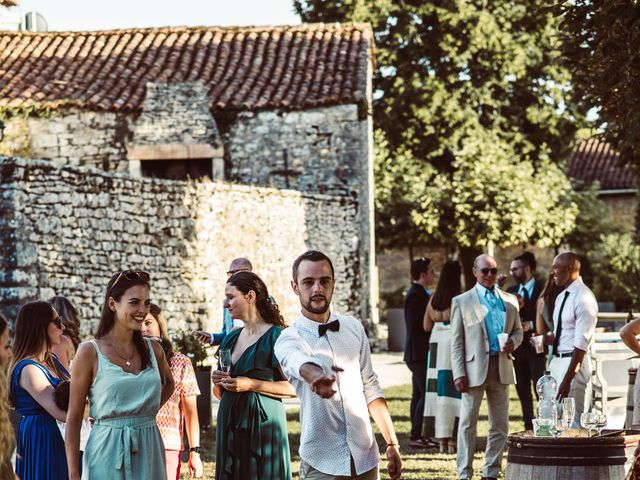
(40, 446)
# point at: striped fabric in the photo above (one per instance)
(442, 400)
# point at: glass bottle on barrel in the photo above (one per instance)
(547, 389)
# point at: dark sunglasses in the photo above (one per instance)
(233, 272)
(486, 271)
(132, 276)
(58, 322)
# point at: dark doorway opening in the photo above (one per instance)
(177, 169)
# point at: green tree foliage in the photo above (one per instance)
(593, 225)
(469, 96)
(601, 39)
(601, 47)
(623, 256)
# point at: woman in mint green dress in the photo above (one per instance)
(126, 379)
(251, 434)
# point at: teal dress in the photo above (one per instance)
(251, 437)
(125, 442)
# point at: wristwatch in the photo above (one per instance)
(195, 449)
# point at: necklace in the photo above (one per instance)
(127, 361)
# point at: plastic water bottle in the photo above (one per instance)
(547, 389)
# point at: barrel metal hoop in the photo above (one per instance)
(547, 460)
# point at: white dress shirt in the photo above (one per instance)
(579, 317)
(337, 428)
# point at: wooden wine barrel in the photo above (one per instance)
(597, 458)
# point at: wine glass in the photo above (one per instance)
(588, 420)
(601, 421)
(568, 411)
(560, 423)
(224, 359)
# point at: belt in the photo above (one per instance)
(563, 355)
(128, 442)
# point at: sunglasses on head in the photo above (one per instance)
(486, 271)
(233, 272)
(132, 276)
(58, 322)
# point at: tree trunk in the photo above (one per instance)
(637, 235)
(466, 256)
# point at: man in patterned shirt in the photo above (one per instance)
(327, 359)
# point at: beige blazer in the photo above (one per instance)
(469, 340)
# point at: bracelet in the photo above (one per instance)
(392, 445)
(195, 449)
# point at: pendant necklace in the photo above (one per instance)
(126, 361)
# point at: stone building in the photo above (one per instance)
(271, 117)
(595, 161)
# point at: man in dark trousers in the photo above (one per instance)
(528, 364)
(416, 344)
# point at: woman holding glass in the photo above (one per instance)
(251, 438)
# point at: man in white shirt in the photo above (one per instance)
(327, 359)
(575, 315)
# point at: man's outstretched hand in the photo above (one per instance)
(323, 386)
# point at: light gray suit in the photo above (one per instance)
(471, 358)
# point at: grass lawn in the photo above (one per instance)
(417, 464)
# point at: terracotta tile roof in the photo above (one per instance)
(248, 68)
(594, 160)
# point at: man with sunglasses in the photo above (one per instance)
(481, 364)
(211, 338)
(529, 365)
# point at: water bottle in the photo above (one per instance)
(547, 389)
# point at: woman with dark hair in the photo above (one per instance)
(442, 400)
(181, 406)
(71, 337)
(7, 440)
(35, 372)
(546, 304)
(251, 438)
(127, 379)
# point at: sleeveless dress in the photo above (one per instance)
(125, 442)
(251, 435)
(40, 447)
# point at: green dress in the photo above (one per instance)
(251, 438)
(125, 443)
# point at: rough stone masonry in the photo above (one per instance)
(64, 230)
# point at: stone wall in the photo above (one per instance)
(323, 150)
(175, 113)
(326, 151)
(65, 230)
(622, 209)
(73, 138)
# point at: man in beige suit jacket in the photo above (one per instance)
(480, 365)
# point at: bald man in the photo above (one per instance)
(574, 322)
(481, 366)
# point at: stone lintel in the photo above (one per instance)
(173, 151)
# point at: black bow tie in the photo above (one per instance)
(322, 329)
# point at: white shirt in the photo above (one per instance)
(337, 428)
(579, 317)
